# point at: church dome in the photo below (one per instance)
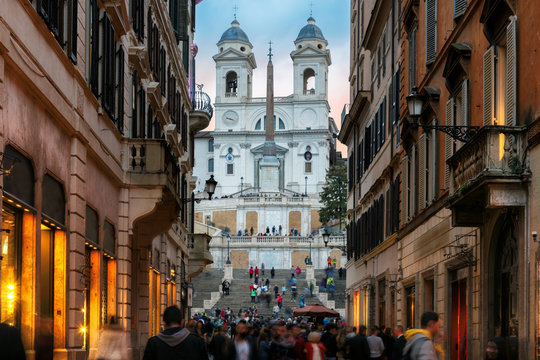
(310, 31)
(234, 33)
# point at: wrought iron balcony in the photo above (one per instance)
(202, 110)
(487, 172)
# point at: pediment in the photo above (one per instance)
(259, 149)
(230, 53)
(308, 50)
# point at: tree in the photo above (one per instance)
(334, 194)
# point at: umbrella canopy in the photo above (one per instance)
(316, 310)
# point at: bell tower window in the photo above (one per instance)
(309, 82)
(231, 83)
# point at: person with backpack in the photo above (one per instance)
(420, 344)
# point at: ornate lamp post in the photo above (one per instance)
(210, 188)
(326, 236)
(415, 104)
(228, 249)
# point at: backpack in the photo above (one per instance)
(414, 348)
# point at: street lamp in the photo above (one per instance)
(210, 188)
(228, 249)
(326, 236)
(305, 192)
(415, 105)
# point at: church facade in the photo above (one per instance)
(248, 200)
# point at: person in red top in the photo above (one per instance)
(251, 272)
(279, 301)
(314, 348)
(329, 260)
(256, 271)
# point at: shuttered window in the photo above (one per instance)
(137, 18)
(351, 171)
(459, 7)
(431, 31)
(511, 73)
(412, 58)
(94, 47)
(422, 171)
(403, 218)
(182, 34)
(448, 141)
(488, 91)
(108, 68)
(434, 166)
(413, 182)
(120, 90)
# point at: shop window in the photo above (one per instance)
(10, 270)
(155, 311)
(20, 180)
(356, 320)
(109, 238)
(92, 226)
(410, 295)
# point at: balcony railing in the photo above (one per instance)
(495, 152)
(335, 240)
(202, 102)
(309, 92)
(230, 94)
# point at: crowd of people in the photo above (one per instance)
(227, 337)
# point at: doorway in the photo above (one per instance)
(459, 336)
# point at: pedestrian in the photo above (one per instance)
(399, 344)
(113, 342)
(244, 346)
(223, 287)
(311, 288)
(358, 346)
(282, 346)
(267, 282)
(275, 311)
(262, 268)
(251, 272)
(376, 345)
(496, 349)
(334, 263)
(257, 279)
(283, 290)
(315, 350)
(292, 271)
(329, 261)
(217, 346)
(279, 301)
(258, 292)
(256, 271)
(264, 344)
(174, 342)
(328, 338)
(11, 342)
(268, 300)
(302, 300)
(299, 342)
(276, 290)
(272, 272)
(253, 295)
(420, 344)
(340, 272)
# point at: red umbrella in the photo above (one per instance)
(315, 310)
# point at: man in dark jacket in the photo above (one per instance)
(399, 344)
(358, 346)
(244, 345)
(174, 342)
(329, 341)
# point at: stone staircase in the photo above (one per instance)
(208, 292)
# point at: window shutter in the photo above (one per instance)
(422, 172)
(413, 182)
(511, 70)
(383, 121)
(404, 190)
(489, 67)
(431, 30)
(448, 142)
(434, 189)
(459, 7)
(183, 22)
(465, 103)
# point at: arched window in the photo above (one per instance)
(54, 203)
(309, 81)
(231, 83)
(260, 125)
(19, 182)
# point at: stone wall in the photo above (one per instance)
(226, 218)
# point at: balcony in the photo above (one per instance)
(488, 172)
(199, 253)
(152, 175)
(202, 111)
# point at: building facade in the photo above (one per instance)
(97, 113)
(467, 186)
(234, 151)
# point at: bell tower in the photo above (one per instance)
(311, 60)
(234, 66)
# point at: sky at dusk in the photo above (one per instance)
(279, 21)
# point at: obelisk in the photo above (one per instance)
(269, 166)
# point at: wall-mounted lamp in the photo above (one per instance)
(535, 236)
